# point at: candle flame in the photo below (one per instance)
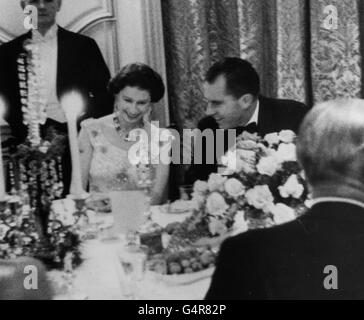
(72, 104)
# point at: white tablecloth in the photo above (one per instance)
(98, 277)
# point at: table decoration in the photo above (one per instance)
(261, 185)
(20, 236)
(35, 178)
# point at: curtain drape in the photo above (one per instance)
(299, 48)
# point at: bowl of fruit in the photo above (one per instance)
(183, 267)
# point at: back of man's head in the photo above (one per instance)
(241, 77)
(331, 143)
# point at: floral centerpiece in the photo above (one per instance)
(260, 185)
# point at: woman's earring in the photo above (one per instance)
(117, 110)
(147, 118)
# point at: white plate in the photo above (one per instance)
(186, 278)
(180, 206)
(164, 218)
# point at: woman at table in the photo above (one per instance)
(105, 142)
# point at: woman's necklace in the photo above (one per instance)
(123, 133)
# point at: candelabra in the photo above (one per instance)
(32, 92)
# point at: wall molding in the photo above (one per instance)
(104, 12)
(6, 35)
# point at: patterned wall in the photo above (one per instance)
(295, 53)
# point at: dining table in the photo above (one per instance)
(101, 276)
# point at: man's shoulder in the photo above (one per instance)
(283, 104)
(281, 114)
(73, 36)
(14, 44)
(267, 240)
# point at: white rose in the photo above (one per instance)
(234, 188)
(268, 166)
(260, 198)
(217, 227)
(240, 224)
(247, 145)
(292, 188)
(229, 161)
(287, 136)
(286, 152)
(200, 187)
(282, 213)
(235, 164)
(216, 182)
(215, 204)
(246, 155)
(249, 136)
(272, 138)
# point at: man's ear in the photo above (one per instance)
(246, 100)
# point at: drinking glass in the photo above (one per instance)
(128, 209)
(132, 264)
(186, 192)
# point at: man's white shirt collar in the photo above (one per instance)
(337, 199)
(254, 118)
(50, 34)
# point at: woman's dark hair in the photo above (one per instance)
(141, 76)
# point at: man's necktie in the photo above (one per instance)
(251, 128)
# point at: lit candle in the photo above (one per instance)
(2, 180)
(72, 104)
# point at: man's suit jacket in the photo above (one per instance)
(289, 261)
(80, 67)
(274, 115)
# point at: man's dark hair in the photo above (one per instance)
(241, 77)
(141, 76)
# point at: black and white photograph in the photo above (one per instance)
(181, 150)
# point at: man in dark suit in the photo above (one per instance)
(321, 254)
(232, 90)
(69, 61)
